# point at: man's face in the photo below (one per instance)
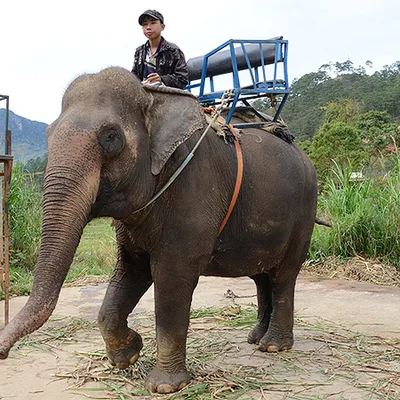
(152, 28)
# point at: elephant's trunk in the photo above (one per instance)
(68, 198)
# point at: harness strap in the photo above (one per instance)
(225, 100)
(239, 177)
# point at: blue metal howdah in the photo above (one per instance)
(238, 55)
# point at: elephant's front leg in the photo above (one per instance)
(132, 278)
(173, 288)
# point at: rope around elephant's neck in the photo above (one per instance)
(226, 98)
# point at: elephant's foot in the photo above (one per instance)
(257, 334)
(125, 353)
(4, 353)
(274, 343)
(162, 382)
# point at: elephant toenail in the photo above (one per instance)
(133, 359)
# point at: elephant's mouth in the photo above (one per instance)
(110, 201)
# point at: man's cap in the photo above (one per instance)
(152, 14)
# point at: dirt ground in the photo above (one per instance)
(347, 346)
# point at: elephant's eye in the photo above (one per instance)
(111, 136)
(112, 141)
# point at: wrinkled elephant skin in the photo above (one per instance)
(113, 147)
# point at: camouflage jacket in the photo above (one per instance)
(171, 64)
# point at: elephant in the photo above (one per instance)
(113, 147)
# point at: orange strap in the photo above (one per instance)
(209, 110)
(238, 184)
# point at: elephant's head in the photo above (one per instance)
(106, 151)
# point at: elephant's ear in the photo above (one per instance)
(172, 117)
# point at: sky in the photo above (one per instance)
(45, 44)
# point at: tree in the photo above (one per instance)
(393, 69)
(334, 81)
(305, 145)
(380, 135)
(374, 124)
(37, 164)
(336, 141)
(344, 67)
(345, 110)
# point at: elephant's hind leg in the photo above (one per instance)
(131, 280)
(279, 335)
(264, 300)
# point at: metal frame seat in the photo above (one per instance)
(238, 55)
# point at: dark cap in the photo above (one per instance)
(152, 14)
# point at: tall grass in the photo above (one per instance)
(365, 217)
(25, 216)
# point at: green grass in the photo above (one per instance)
(96, 255)
(232, 315)
(21, 281)
(25, 217)
(97, 251)
(365, 218)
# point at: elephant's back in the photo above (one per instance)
(267, 157)
(277, 199)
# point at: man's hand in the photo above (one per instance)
(153, 78)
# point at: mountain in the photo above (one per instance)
(28, 138)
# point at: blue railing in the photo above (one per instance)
(238, 55)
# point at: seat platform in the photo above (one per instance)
(237, 55)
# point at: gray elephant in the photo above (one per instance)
(113, 147)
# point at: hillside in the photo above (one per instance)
(305, 108)
(28, 137)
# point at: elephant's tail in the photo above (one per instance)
(321, 222)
